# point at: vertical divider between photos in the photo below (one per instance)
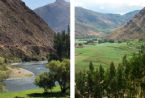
(72, 48)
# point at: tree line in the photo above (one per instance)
(125, 80)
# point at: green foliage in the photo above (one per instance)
(2, 60)
(3, 73)
(61, 47)
(45, 81)
(126, 79)
(61, 72)
(81, 82)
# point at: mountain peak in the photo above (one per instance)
(59, 20)
(60, 1)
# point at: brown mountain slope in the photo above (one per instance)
(134, 29)
(22, 33)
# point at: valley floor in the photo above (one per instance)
(103, 54)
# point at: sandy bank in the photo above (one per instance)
(19, 73)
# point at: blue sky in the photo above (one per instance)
(111, 6)
(37, 3)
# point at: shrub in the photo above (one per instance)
(45, 81)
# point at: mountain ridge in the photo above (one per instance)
(59, 12)
(133, 29)
(100, 22)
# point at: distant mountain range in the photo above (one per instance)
(88, 21)
(23, 34)
(56, 15)
(134, 29)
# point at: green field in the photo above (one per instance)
(34, 93)
(103, 54)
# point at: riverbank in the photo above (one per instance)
(21, 77)
(16, 70)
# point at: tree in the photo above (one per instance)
(61, 47)
(97, 86)
(61, 72)
(81, 80)
(121, 86)
(112, 71)
(45, 81)
(90, 78)
(111, 81)
(101, 79)
(91, 67)
(101, 73)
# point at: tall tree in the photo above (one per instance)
(90, 78)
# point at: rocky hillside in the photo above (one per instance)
(22, 33)
(134, 29)
(57, 15)
(88, 21)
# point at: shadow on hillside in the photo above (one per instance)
(53, 94)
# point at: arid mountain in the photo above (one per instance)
(134, 29)
(88, 21)
(22, 33)
(56, 15)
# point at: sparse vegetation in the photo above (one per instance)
(3, 73)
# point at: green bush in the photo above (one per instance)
(45, 81)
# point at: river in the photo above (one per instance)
(21, 84)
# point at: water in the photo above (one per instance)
(21, 84)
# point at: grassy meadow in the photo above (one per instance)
(103, 53)
(34, 93)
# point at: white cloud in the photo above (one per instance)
(111, 6)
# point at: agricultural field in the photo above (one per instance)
(103, 53)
